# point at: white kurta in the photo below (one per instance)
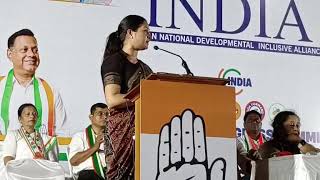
(21, 95)
(14, 145)
(24, 166)
(31, 169)
(78, 144)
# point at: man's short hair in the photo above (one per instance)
(250, 112)
(97, 105)
(22, 32)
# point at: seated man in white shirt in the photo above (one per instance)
(86, 150)
(249, 143)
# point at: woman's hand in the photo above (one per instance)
(7, 159)
(308, 148)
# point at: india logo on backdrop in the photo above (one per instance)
(236, 79)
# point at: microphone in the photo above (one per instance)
(184, 63)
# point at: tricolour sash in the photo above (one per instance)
(50, 145)
(97, 165)
(250, 144)
(37, 100)
(35, 143)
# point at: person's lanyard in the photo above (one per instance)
(7, 96)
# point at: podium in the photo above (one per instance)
(184, 128)
(304, 167)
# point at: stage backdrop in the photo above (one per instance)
(268, 49)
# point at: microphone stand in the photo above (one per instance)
(184, 63)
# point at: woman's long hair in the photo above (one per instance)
(279, 132)
(115, 40)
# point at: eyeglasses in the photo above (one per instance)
(101, 113)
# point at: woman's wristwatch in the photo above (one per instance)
(302, 143)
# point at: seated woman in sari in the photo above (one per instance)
(286, 137)
(21, 146)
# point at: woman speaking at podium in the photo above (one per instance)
(26, 152)
(121, 71)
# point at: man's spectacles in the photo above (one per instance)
(101, 113)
